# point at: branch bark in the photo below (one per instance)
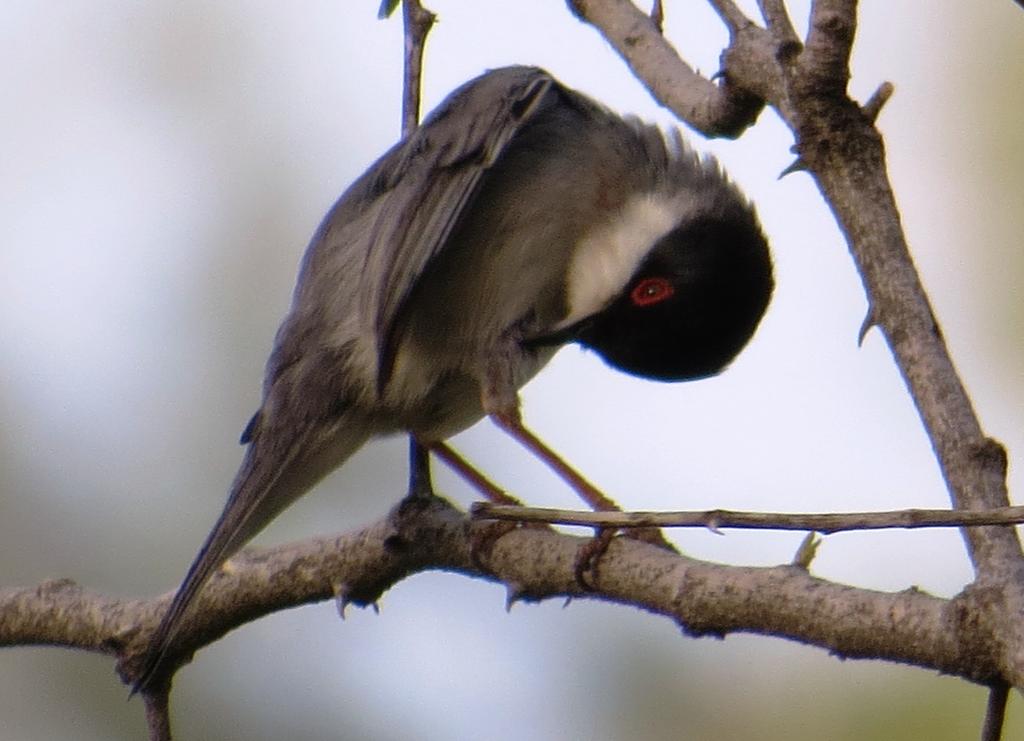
(714, 110)
(704, 599)
(418, 22)
(715, 519)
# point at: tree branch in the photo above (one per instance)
(714, 110)
(704, 599)
(825, 62)
(839, 146)
(418, 22)
(776, 16)
(715, 519)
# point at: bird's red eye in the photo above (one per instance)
(651, 291)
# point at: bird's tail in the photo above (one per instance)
(271, 477)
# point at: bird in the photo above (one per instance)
(519, 217)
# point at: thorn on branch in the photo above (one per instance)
(513, 593)
(341, 598)
(798, 165)
(346, 594)
(658, 16)
(870, 320)
(807, 551)
(387, 7)
(878, 99)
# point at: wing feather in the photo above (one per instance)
(432, 181)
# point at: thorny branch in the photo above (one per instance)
(535, 564)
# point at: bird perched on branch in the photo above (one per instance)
(520, 216)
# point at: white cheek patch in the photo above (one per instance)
(609, 255)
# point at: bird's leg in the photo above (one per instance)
(590, 555)
(421, 489)
(418, 499)
(513, 425)
(491, 491)
(484, 537)
(594, 497)
(501, 402)
(420, 484)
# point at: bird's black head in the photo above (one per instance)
(691, 305)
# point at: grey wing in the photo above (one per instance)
(430, 181)
(361, 266)
(367, 255)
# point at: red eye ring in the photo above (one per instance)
(651, 291)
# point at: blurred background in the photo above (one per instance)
(163, 165)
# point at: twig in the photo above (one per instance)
(717, 519)
(878, 99)
(807, 551)
(731, 15)
(158, 718)
(995, 714)
(418, 22)
(387, 7)
(715, 110)
(777, 18)
(658, 15)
